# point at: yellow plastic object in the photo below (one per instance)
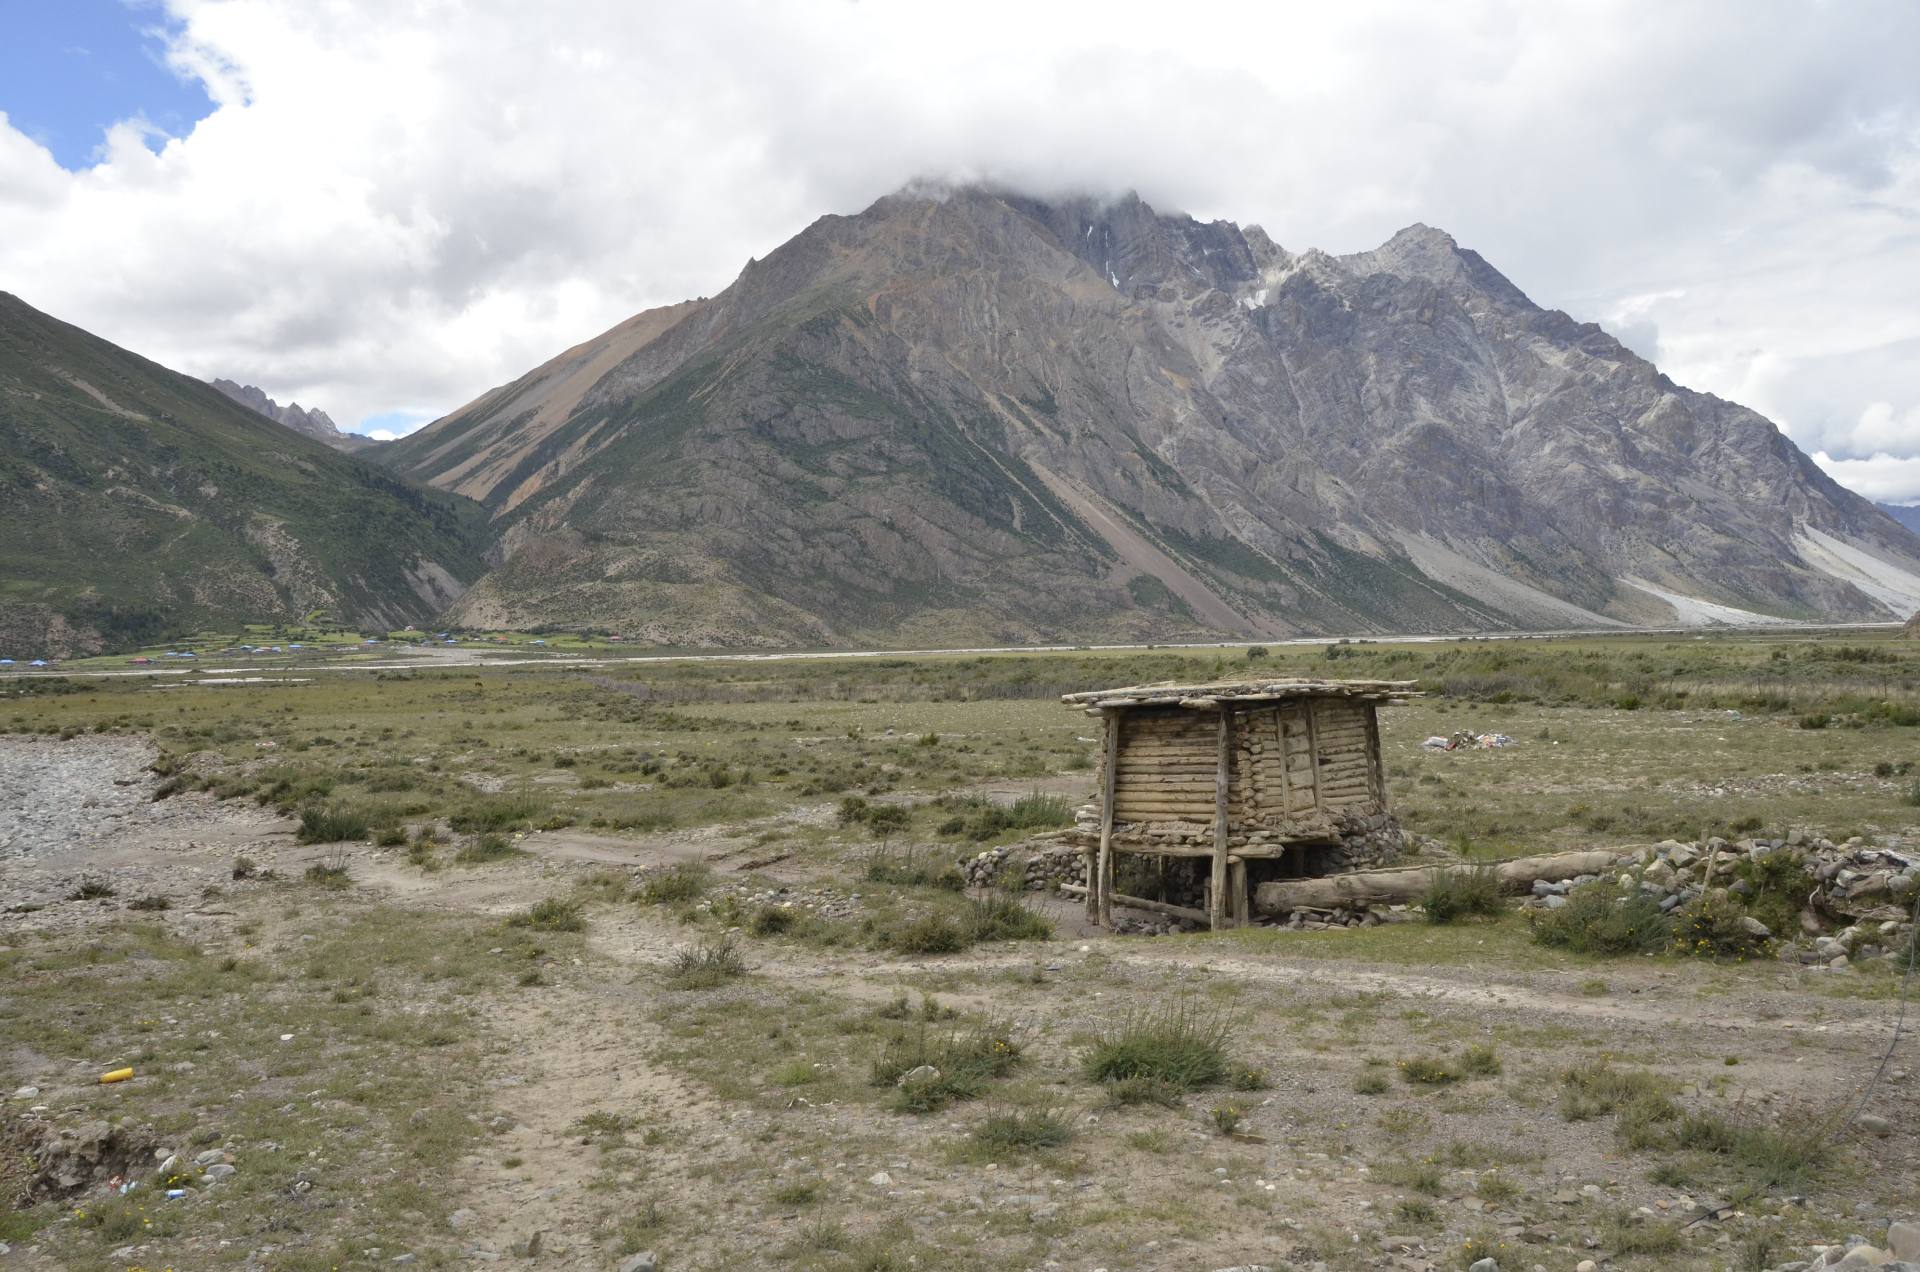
(118, 1075)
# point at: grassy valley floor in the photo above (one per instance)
(557, 966)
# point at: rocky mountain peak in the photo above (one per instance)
(971, 414)
(313, 423)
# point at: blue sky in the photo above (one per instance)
(71, 68)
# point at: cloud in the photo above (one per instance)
(1883, 478)
(388, 209)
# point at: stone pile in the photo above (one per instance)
(1857, 904)
(1041, 867)
(1899, 1252)
(1357, 915)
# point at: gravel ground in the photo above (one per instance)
(57, 795)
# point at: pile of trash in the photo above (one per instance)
(1467, 740)
(1857, 902)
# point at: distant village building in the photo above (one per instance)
(1206, 791)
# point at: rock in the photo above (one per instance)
(1903, 1241)
(27, 1093)
(1874, 1124)
(1483, 1265)
(880, 1179)
(1864, 1256)
(1840, 964)
(218, 1171)
(919, 1075)
(644, 1261)
(461, 1219)
(1754, 927)
(212, 1157)
(1586, 1265)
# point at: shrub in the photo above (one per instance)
(1424, 1176)
(998, 917)
(497, 813)
(1713, 926)
(550, 915)
(886, 820)
(1601, 918)
(91, 890)
(707, 965)
(1005, 1134)
(770, 920)
(928, 934)
(481, 849)
(390, 837)
(1370, 1082)
(1145, 1091)
(1428, 1071)
(799, 1192)
(1479, 1061)
(1777, 887)
(331, 873)
(1249, 1079)
(1179, 1045)
(1628, 1234)
(914, 869)
(1595, 1089)
(978, 818)
(1226, 1117)
(676, 885)
(331, 824)
(150, 903)
(245, 868)
(1496, 1189)
(1818, 720)
(1459, 894)
(1416, 1210)
(955, 1064)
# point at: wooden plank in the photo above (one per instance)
(1313, 748)
(1216, 898)
(1375, 762)
(1098, 908)
(1142, 903)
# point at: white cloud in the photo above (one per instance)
(1882, 478)
(389, 208)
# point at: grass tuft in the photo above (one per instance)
(1180, 1046)
(1453, 895)
(707, 965)
(554, 914)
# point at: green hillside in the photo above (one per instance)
(136, 502)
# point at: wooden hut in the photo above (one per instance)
(1232, 784)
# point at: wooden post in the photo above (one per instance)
(1313, 753)
(1217, 894)
(1376, 760)
(1242, 909)
(1100, 885)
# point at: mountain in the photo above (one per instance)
(1907, 515)
(965, 415)
(136, 502)
(316, 424)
